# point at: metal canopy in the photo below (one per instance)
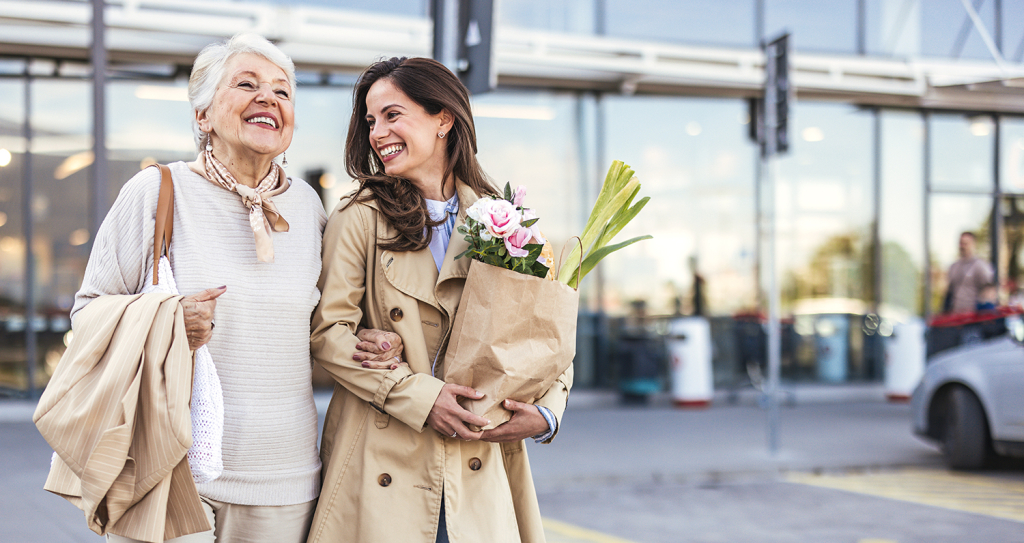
(339, 41)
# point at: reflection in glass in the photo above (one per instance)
(901, 220)
(949, 216)
(572, 16)
(931, 28)
(531, 139)
(1011, 254)
(1013, 34)
(824, 204)
(695, 162)
(12, 241)
(702, 22)
(1011, 155)
(961, 152)
(815, 26)
(317, 152)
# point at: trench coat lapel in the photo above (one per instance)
(415, 273)
(449, 292)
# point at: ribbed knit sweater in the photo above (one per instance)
(260, 345)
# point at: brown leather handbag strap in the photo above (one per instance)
(164, 220)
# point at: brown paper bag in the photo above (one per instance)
(513, 335)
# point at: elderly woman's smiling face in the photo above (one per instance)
(252, 111)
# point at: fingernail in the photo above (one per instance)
(222, 287)
(366, 364)
(394, 366)
(386, 345)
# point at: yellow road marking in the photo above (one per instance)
(563, 532)
(946, 489)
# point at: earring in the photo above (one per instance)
(440, 135)
(209, 145)
(284, 159)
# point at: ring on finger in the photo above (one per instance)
(455, 434)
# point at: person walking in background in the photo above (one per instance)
(967, 277)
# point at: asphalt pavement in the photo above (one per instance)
(657, 473)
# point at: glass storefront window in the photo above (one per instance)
(949, 216)
(815, 26)
(61, 160)
(825, 206)
(1013, 34)
(901, 217)
(707, 23)
(317, 152)
(694, 160)
(961, 152)
(12, 237)
(572, 16)
(930, 28)
(1011, 155)
(406, 8)
(531, 139)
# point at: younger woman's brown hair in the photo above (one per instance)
(435, 88)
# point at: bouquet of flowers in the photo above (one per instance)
(502, 232)
(515, 331)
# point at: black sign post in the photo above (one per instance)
(463, 41)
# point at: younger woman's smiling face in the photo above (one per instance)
(405, 136)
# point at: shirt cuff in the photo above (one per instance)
(552, 424)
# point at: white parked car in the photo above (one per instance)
(971, 399)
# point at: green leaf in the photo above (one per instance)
(529, 223)
(508, 192)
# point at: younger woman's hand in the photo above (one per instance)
(378, 349)
(526, 422)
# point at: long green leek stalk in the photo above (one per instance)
(611, 213)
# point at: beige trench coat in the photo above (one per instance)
(384, 470)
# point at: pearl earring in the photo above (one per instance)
(284, 159)
(440, 135)
(209, 144)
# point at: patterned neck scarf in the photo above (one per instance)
(263, 214)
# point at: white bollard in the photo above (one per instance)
(904, 359)
(689, 348)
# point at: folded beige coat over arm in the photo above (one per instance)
(116, 412)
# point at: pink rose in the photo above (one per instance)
(519, 196)
(501, 218)
(517, 241)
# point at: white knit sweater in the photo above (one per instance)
(260, 345)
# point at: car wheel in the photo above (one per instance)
(965, 437)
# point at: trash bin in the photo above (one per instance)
(832, 336)
(639, 361)
(904, 357)
(689, 348)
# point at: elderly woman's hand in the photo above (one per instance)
(378, 349)
(199, 315)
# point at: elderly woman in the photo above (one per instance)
(401, 461)
(244, 228)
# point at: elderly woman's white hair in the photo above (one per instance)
(208, 71)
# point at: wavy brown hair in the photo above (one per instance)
(436, 89)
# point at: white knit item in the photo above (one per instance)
(207, 405)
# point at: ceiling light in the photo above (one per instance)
(5, 157)
(813, 133)
(73, 164)
(158, 92)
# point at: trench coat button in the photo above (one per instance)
(384, 479)
(475, 464)
(396, 314)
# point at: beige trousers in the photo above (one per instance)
(234, 523)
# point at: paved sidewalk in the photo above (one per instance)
(600, 443)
